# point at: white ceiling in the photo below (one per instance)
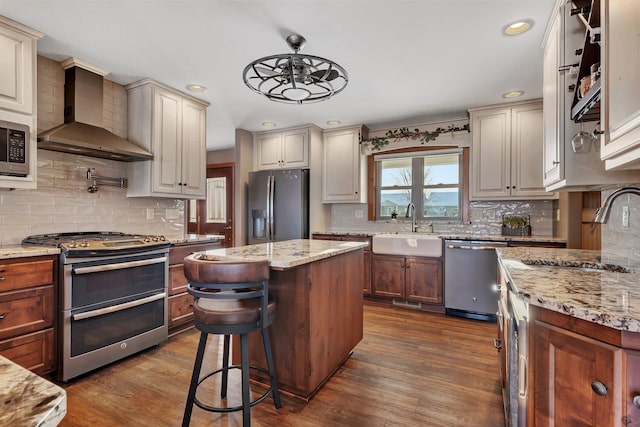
(409, 62)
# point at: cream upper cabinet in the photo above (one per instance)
(507, 152)
(620, 61)
(282, 149)
(18, 66)
(18, 94)
(344, 168)
(172, 126)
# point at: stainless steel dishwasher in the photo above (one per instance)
(470, 273)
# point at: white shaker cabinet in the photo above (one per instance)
(172, 126)
(565, 169)
(344, 168)
(507, 152)
(620, 59)
(282, 149)
(18, 77)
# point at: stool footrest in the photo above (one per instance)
(233, 408)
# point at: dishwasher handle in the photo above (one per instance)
(474, 248)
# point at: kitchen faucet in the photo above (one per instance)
(602, 213)
(411, 211)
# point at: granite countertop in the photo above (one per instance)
(17, 251)
(27, 399)
(289, 253)
(188, 239)
(482, 237)
(575, 282)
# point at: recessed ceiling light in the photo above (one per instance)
(518, 27)
(268, 124)
(513, 94)
(196, 88)
(333, 122)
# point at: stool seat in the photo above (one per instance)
(230, 312)
(230, 298)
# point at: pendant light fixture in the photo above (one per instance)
(295, 78)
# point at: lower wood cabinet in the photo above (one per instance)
(416, 279)
(582, 374)
(366, 285)
(28, 304)
(180, 302)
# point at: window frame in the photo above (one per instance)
(373, 182)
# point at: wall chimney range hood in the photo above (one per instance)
(83, 132)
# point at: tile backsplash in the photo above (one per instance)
(621, 244)
(62, 203)
(486, 218)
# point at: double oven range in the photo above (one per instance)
(113, 296)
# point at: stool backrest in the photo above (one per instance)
(218, 278)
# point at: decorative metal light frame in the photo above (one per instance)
(295, 78)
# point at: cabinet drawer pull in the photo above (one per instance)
(599, 388)
(1, 278)
(497, 343)
(555, 163)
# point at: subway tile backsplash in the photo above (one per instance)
(486, 218)
(62, 203)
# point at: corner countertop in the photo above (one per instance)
(289, 253)
(450, 236)
(17, 251)
(575, 282)
(27, 399)
(189, 239)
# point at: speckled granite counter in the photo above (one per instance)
(489, 238)
(548, 278)
(188, 239)
(17, 251)
(27, 399)
(289, 253)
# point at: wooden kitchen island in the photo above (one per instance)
(318, 289)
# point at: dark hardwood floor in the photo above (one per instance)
(411, 369)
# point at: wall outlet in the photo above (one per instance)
(150, 214)
(625, 216)
(359, 213)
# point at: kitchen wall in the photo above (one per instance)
(621, 245)
(61, 202)
(486, 218)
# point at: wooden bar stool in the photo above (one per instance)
(231, 298)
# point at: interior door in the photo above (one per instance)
(214, 215)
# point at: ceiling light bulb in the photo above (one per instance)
(517, 28)
(296, 93)
(513, 94)
(196, 88)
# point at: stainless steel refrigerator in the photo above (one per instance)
(278, 205)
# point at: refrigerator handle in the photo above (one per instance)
(268, 225)
(271, 221)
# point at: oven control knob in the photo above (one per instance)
(162, 238)
(84, 243)
(155, 238)
(72, 244)
(147, 239)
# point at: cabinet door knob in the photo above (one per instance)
(598, 388)
(571, 88)
(497, 343)
(3, 315)
(636, 401)
(1, 278)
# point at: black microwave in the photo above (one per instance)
(14, 149)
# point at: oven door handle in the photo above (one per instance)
(118, 266)
(119, 307)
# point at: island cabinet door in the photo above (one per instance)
(388, 276)
(577, 380)
(631, 394)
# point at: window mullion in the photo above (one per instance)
(417, 172)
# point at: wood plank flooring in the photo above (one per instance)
(411, 369)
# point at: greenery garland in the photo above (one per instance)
(404, 133)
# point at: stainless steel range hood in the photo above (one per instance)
(83, 132)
